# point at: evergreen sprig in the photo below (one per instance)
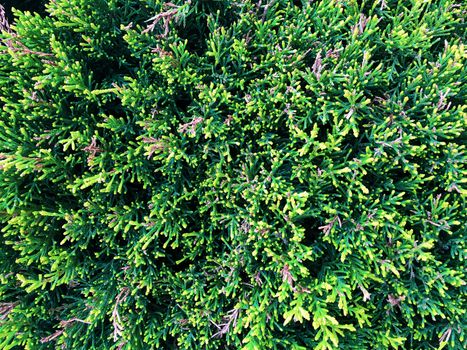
(233, 175)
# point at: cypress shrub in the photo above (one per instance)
(233, 175)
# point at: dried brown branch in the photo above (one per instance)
(366, 294)
(395, 301)
(317, 66)
(191, 126)
(383, 4)
(157, 145)
(442, 105)
(446, 335)
(229, 320)
(4, 25)
(287, 276)
(116, 320)
(121, 345)
(166, 18)
(266, 9)
(327, 228)
(66, 323)
(6, 309)
(333, 53)
(63, 325)
(258, 279)
(92, 149)
(52, 336)
(14, 44)
(361, 24)
(161, 52)
(392, 143)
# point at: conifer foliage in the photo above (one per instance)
(225, 174)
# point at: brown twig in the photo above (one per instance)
(395, 301)
(10, 43)
(6, 309)
(63, 324)
(446, 335)
(66, 323)
(166, 17)
(333, 53)
(327, 228)
(52, 336)
(317, 66)
(157, 145)
(442, 105)
(366, 294)
(231, 318)
(161, 52)
(191, 126)
(116, 320)
(266, 9)
(287, 276)
(92, 149)
(361, 24)
(4, 25)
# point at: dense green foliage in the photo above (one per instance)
(233, 175)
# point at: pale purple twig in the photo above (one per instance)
(116, 320)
